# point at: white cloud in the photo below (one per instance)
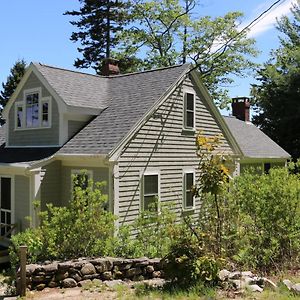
(268, 21)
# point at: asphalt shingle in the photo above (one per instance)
(252, 141)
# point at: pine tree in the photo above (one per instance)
(98, 25)
(277, 97)
(16, 74)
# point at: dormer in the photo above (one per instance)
(50, 105)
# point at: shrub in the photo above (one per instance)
(84, 228)
(187, 263)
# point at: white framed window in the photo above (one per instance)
(19, 116)
(188, 184)
(189, 110)
(34, 111)
(80, 178)
(150, 191)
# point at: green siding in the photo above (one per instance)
(31, 137)
(22, 202)
(163, 144)
(99, 175)
(51, 184)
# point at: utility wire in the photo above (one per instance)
(253, 22)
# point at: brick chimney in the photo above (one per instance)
(110, 67)
(241, 108)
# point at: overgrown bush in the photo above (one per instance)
(150, 235)
(84, 228)
(188, 263)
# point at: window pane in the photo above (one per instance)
(45, 114)
(189, 119)
(19, 116)
(150, 203)
(189, 180)
(150, 184)
(190, 101)
(32, 110)
(45, 108)
(189, 201)
(5, 193)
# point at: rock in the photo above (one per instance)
(149, 269)
(30, 269)
(247, 274)
(69, 283)
(113, 283)
(76, 276)
(40, 286)
(63, 267)
(223, 274)
(52, 284)
(235, 275)
(51, 268)
(84, 283)
(295, 288)
(239, 284)
(61, 276)
(269, 283)
(156, 274)
(118, 274)
(107, 275)
(138, 278)
(92, 276)
(254, 288)
(133, 272)
(287, 283)
(88, 269)
(154, 283)
(38, 278)
(124, 266)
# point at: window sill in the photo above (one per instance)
(188, 210)
(188, 131)
(31, 128)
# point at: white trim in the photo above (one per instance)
(190, 91)
(116, 193)
(184, 172)
(12, 196)
(149, 172)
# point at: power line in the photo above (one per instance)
(252, 23)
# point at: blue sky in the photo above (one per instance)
(36, 30)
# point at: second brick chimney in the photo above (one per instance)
(241, 108)
(110, 67)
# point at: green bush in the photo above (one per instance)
(187, 263)
(150, 235)
(84, 228)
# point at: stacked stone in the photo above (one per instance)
(75, 273)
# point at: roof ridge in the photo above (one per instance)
(68, 70)
(148, 71)
(115, 76)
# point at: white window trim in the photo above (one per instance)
(185, 92)
(187, 171)
(142, 176)
(41, 101)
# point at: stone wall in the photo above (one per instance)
(74, 273)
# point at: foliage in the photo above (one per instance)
(144, 242)
(97, 23)
(163, 33)
(277, 94)
(16, 74)
(188, 262)
(267, 219)
(62, 233)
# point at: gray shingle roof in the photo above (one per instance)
(252, 141)
(129, 97)
(76, 88)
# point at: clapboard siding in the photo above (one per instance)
(35, 136)
(162, 144)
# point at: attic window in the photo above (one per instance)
(34, 111)
(189, 111)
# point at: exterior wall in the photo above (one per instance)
(74, 127)
(258, 167)
(35, 136)
(162, 144)
(51, 185)
(99, 174)
(22, 201)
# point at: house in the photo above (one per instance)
(135, 131)
(258, 150)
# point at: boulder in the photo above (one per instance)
(295, 288)
(254, 288)
(133, 272)
(287, 283)
(223, 274)
(107, 275)
(88, 269)
(69, 283)
(40, 286)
